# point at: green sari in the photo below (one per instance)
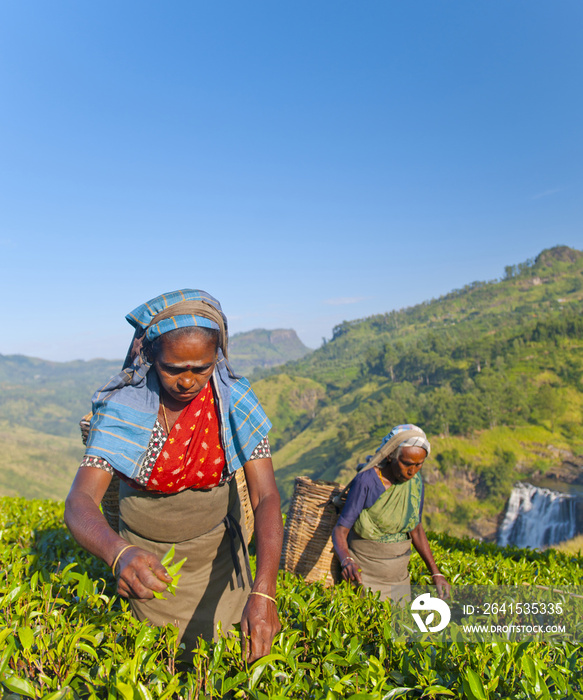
(394, 514)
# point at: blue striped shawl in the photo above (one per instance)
(125, 409)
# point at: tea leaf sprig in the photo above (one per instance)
(172, 570)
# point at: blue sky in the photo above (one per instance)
(305, 162)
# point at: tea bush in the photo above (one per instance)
(65, 635)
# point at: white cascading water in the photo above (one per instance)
(537, 517)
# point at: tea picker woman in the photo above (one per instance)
(175, 425)
(382, 518)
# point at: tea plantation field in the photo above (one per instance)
(64, 634)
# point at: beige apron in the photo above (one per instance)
(384, 565)
(196, 523)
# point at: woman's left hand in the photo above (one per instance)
(442, 585)
(259, 625)
(419, 539)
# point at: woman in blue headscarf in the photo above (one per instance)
(382, 517)
(174, 426)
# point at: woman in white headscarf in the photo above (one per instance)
(382, 517)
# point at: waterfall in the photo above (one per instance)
(537, 517)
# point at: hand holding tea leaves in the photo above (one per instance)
(172, 570)
(140, 574)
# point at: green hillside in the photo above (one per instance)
(493, 372)
(41, 404)
(49, 397)
(35, 464)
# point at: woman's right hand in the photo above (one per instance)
(139, 573)
(351, 572)
(349, 568)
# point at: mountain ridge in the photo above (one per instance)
(261, 348)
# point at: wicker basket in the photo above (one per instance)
(307, 542)
(246, 508)
(110, 500)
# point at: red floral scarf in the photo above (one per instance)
(192, 456)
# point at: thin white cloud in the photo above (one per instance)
(343, 301)
(546, 193)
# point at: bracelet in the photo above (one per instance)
(264, 595)
(121, 551)
(438, 574)
(345, 558)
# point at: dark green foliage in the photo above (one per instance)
(496, 479)
(473, 384)
(448, 459)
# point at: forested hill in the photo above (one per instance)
(551, 282)
(492, 371)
